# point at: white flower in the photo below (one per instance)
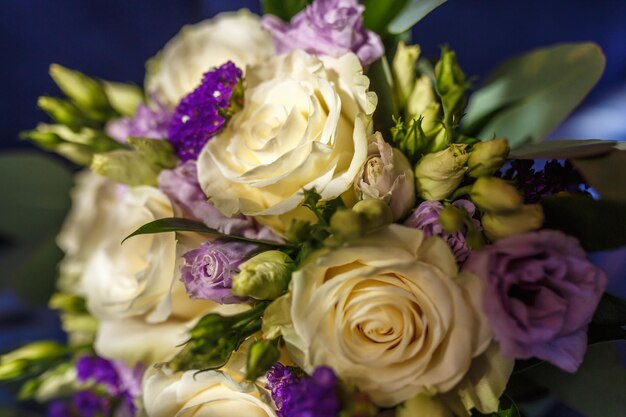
(304, 124)
(206, 394)
(234, 36)
(387, 175)
(388, 313)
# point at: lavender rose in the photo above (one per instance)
(207, 271)
(327, 27)
(426, 218)
(540, 295)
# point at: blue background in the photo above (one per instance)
(112, 39)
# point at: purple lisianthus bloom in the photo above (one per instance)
(59, 409)
(97, 369)
(151, 123)
(540, 295)
(327, 27)
(202, 113)
(207, 271)
(182, 187)
(426, 218)
(314, 396)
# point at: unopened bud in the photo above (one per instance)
(265, 276)
(487, 157)
(376, 213)
(438, 174)
(36, 351)
(86, 92)
(495, 195)
(262, 354)
(450, 219)
(403, 67)
(62, 111)
(347, 225)
(423, 102)
(124, 98)
(500, 225)
(14, 369)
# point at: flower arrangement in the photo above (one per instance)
(301, 216)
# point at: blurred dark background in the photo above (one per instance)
(112, 39)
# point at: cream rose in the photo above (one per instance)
(387, 313)
(233, 36)
(305, 124)
(207, 394)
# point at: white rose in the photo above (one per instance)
(388, 313)
(93, 197)
(207, 394)
(178, 68)
(304, 124)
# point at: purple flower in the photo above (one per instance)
(58, 409)
(89, 404)
(202, 113)
(146, 123)
(208, 271)
(327, 27)
(181, 186)
(314, 396)
(540, 295)
(99, 370)
(426, 218)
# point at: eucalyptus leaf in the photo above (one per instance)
(563, 149)
(413, 12)
(599, 225)
(605, 173)
(284, 9)
(177, 224)
(381, 82)
(528, 96)
(378, 14)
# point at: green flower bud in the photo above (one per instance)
(62, 111)
(67, 303)
(422, 102)
(450, 219)
(42, 350)
(86, 92)
(438, 174)
(347, 225)
(265, 276)
(495, 195)
(124, 98)
(403, 68)
(262, 354)
(14, 369)
(375, 213)
(500, 225)
(487, 157)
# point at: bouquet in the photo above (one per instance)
(299, 215)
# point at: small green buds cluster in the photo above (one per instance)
(366, 215)
(30, 359)
(262, 354)
(505, 211)
(265, 276)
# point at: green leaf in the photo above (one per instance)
(605, 173)
(284, 9)
(413, 12)
(381, 82)
(156, 152)
(128, 167)
(599, 225)
(176, 224)
(378, 14)
(528, 96)
(563, 149)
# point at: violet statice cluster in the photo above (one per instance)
(208, 270)
(148, 122)
(122, 385)
(327, 27)
(426, 218)
(202, 113)
(555, 177)
(297, 395)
